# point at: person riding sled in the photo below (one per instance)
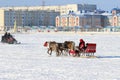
(82, 45)
(4, 38)
(8, 38)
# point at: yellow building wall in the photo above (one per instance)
(2, 19)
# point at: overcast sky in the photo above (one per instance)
(101, 4)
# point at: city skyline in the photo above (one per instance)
(104, 5)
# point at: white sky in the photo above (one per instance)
(105, 5)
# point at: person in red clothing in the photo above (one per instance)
(82, 45)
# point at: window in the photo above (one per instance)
(76, 19)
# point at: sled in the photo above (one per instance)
(87, 53)
(91, 48)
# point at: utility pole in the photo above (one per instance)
(43, 4)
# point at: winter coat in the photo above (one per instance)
(82, 44)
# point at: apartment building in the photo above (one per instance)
(25, 17)
(63, 9)
(38, 15)
(116, 20)
(107, 19)
(84, 20)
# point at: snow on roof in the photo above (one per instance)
(106, 14)
(118, 14)
(116, 9)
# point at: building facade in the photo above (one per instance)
(83, 20)
(106, 19)
(38, 15)
(27, 17)
(116, 20)
(63, 9)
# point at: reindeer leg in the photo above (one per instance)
(57, 53)
(49, 51)
(61, 50)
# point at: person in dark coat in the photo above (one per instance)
(4, 37)
(11, 39)
(82, 45)
(8, 38)
(9, 35)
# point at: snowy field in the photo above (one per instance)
(30, 61)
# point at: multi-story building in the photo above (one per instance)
(27, 17)
(38, 15)
(116, 20)
(107, 19)
(63, 9)
(115, 17)
(77, 7)
(84, 20)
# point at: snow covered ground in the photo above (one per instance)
(30, 61)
